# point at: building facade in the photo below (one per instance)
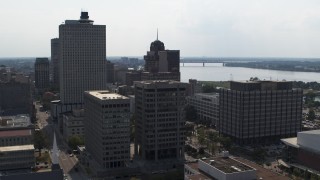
(160, 120)
(260, 111)
(207, 107)
(110, 72)
(303, 151)
(55, 49)
(73, 124)
(158, 60)
(42, 72)
(107, 128)
(15, 98)
(17, 157)
(82, 58)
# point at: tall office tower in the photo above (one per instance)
(110, 72)
(159, 61)
(260, 111)
(160, 122)
(41, 68)
(82, 59)
(107, 128)
(55, 61)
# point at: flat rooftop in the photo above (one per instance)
(21, 120)
(15, 133)
(106, 95)
(17, 148)
(263, 172)
(291, 142)
(227, 165)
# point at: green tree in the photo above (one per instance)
(208, 88)
(75, 141)
(201, 136)
(40, 141)
(311, 115)
(254, 79)
(226, 142)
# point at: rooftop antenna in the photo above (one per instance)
(157, 33)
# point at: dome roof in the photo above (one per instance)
(157, 46)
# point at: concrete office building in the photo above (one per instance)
(260, 111)
(55, 49)
(132, 76)
(82, 59)
(42, 71)
(303, 151)
(72, 123)
(107, 132)
(158, 60)
(160, 122)
(207, 107)
(17, 157)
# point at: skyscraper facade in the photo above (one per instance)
(160, 120)
(55, 61)
(107, 128)
(260, 111)
(82, 59)
(42, 79)
(161, 64)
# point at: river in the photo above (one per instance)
(218, 72)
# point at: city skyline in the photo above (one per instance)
(211, 28)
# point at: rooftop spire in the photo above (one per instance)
(55, 151)
(157, 33)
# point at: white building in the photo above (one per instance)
(73, 123)
(82, 59)
(222, 168)
(303, 151)
(107, 128)
(207, 106)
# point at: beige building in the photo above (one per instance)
(207, 106)
(82, 59)
(73, 123)
(17, 157)
(107, 128)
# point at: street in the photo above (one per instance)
(67, 163)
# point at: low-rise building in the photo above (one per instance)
(17, 157)
(303, 151)
(16, 130)
(207, 106)
(73, 123)
(222, 168)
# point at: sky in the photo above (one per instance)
(203, 28)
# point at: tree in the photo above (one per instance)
(311, 115)
(39, 141)
(201, 136)
(254, 79)
(75, 141)
(226, 142)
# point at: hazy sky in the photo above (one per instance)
(246, 28)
